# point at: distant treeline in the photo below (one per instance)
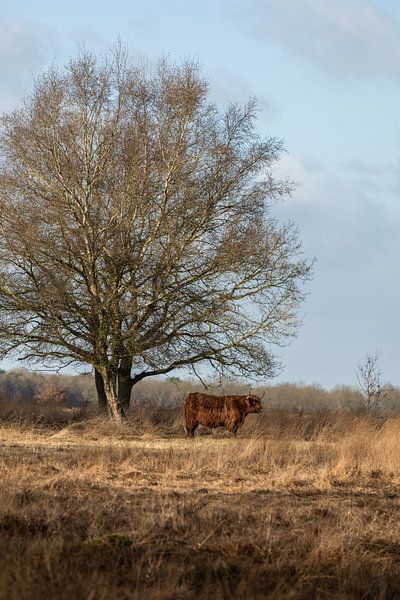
(31, 387)
(26, 387)
(290, 397)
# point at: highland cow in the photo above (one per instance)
(218, 411)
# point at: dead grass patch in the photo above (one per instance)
(91, 510)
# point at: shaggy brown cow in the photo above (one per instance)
(218, 411)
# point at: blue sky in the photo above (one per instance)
(326, 75)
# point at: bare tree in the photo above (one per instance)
(136, 233)
(369, 377)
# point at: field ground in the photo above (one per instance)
(292, 508)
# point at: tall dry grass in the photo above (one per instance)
(298, 506)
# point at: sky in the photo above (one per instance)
(327, 79)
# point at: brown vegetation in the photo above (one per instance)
(20, 386)
(298, 506)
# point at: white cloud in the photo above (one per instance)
(22, 46)
(25, 49)
(354, 232)
(227, 87)
(342, 37)
(349, 222)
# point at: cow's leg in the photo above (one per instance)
(233, 427)
(191, 428)
(237, 424)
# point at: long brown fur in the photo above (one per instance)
(218, 411)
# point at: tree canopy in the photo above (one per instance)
(136, 233)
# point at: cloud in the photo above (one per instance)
(344, 37)
(92, 38)
(349, 223)
(226, 87)
(25, 48)
(22, 46)
(352, 307)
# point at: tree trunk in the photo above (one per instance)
(125, 383)
(115, 410)
(101, 394)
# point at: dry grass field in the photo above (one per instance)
(295, 507)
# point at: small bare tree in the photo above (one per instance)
(135, 228)
(369, 377)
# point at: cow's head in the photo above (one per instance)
(254, 404)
